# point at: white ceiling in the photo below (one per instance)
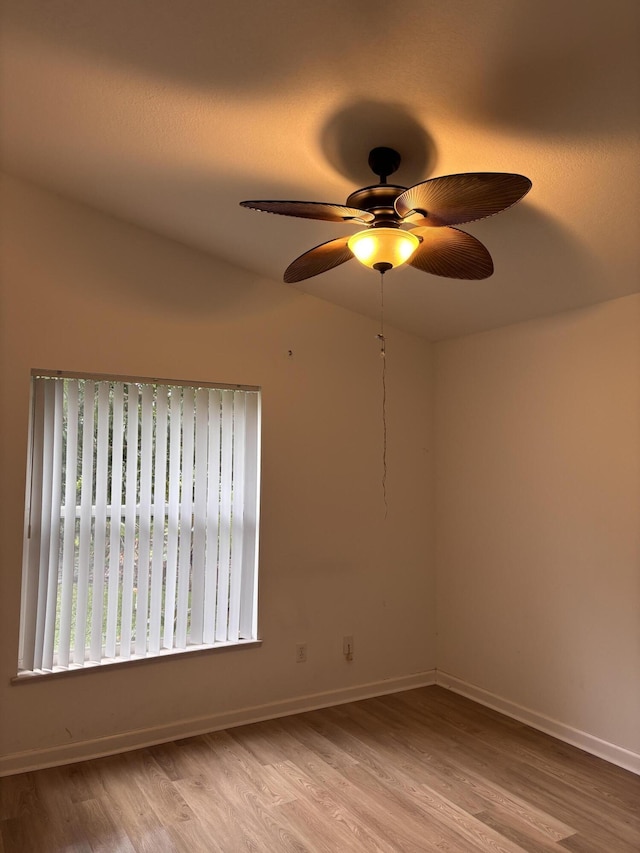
(167, 114)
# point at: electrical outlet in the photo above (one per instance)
(347, 647)
(301, 653)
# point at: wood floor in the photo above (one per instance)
(417, 771)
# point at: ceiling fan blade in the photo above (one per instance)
(324, 257)
(312, 210)
(451, 253)
(453, 199)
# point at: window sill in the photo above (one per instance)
(29, 677)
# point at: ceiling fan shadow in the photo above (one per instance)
(541, 268)
(579, 74)
(242, 46)
(351, 132)
(540, 256)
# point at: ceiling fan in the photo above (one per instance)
(406, 225)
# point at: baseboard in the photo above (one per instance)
(21, 762)
(589, 743)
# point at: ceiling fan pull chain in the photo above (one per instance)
(383, 356)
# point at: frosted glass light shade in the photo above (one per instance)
(388, 246)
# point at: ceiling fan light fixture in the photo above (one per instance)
(383, 248)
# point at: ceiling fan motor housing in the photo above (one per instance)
(378, 200)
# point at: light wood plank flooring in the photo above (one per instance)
(417, 771)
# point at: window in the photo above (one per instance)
(141, 527)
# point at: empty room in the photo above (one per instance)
(320, 530)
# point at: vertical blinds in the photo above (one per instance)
(142, 520)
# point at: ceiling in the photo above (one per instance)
(167, 114)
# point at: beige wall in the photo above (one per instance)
(85, 292)
(537, 484)
(538, 516)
